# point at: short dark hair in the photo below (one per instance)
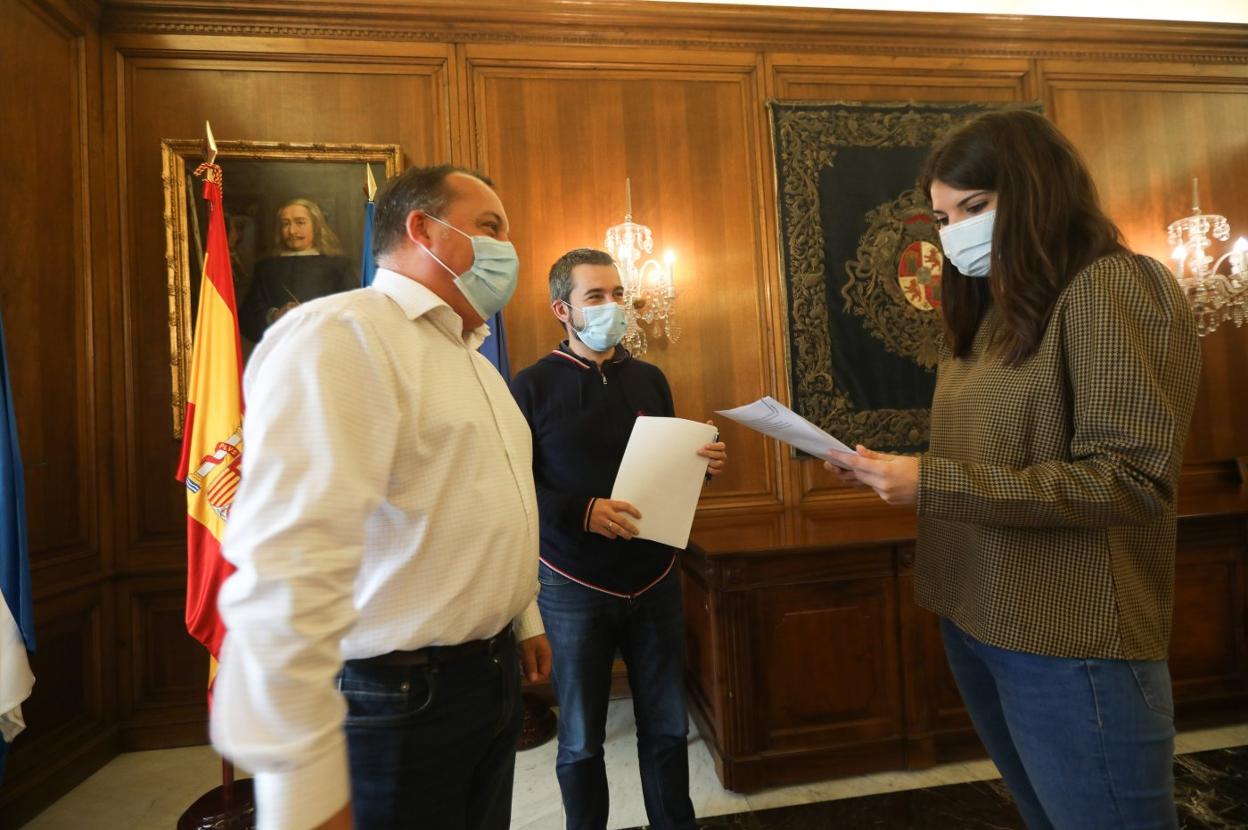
(1049, 225)
(561, 271)
(416, 188)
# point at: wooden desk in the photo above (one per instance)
(808, 658)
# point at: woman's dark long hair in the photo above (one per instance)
(1049, 226)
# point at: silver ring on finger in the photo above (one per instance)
(611, 526)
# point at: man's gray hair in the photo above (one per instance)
(416, 188)
(561, 271)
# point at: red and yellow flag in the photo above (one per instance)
(212, 440)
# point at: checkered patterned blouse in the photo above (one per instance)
(1047, 498)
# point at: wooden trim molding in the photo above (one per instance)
(628, 22)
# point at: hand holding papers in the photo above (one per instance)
(770, 417)
(662, 476)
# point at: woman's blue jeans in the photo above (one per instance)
(1082, 744)
(586, 628)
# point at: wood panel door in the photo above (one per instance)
(284, 90)
(1146, 130)
(876, 78)
(559, 135)
(56, 333)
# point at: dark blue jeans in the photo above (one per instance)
(1082, 744)
(586, 628)
(434, 746)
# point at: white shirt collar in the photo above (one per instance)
(416, 301)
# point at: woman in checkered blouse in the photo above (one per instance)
(1046, 499)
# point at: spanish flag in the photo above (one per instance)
(212, 440)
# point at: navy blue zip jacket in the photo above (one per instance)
(581, 420)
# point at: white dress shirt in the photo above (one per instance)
(387, 503)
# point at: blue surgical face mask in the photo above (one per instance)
(490, 282)
(604, 325)
(968, 244)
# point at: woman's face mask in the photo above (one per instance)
(968, 244)
(967, 238)
(490, 282)
(604, 325)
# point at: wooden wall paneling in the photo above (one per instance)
(48, 290)
(1146, 129)
(1209, 643)
(702, 665)
(877, 78)
(560, 132)
(252, 89)
(938, 729)
(316, 99)
(164, 679)
(776, 300)
(678, 26)
(45, 284)
(70, 726)
(858, 77)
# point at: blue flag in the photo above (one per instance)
(367, 268)
(17, 623)
(495, 347)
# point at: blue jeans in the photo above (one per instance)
(1082, 744)
(586, 628)
(434, 746)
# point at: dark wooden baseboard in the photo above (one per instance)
(21, 799)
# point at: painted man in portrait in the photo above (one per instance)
(308, 262)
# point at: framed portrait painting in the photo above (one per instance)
(294, 216)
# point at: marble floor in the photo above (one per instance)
(150, 790)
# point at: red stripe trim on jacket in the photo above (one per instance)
(572, 358)
(601, 589)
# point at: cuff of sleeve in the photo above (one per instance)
(529, 623)
(935, 477)
(306, 796)
(589, 508)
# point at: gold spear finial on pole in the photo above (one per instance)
(210, 144)
(370, 187)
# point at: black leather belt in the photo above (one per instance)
(438, 654)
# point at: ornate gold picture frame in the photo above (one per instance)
(264, 184)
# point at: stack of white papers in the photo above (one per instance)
(662, 476)
(770, 417)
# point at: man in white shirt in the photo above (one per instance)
(385, 535)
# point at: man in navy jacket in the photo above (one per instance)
(602, 590)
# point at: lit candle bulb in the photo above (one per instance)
(669, 260)
(1239, 256)
(1179, 254)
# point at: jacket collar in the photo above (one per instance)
(565, 353)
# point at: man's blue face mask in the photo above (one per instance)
(490, 282)
(604, 325)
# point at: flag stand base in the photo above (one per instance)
(232, 806)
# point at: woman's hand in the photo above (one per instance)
(894, 478)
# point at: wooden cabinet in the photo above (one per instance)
(808, 658)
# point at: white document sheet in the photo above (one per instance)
(770, 417)
(662, 476)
